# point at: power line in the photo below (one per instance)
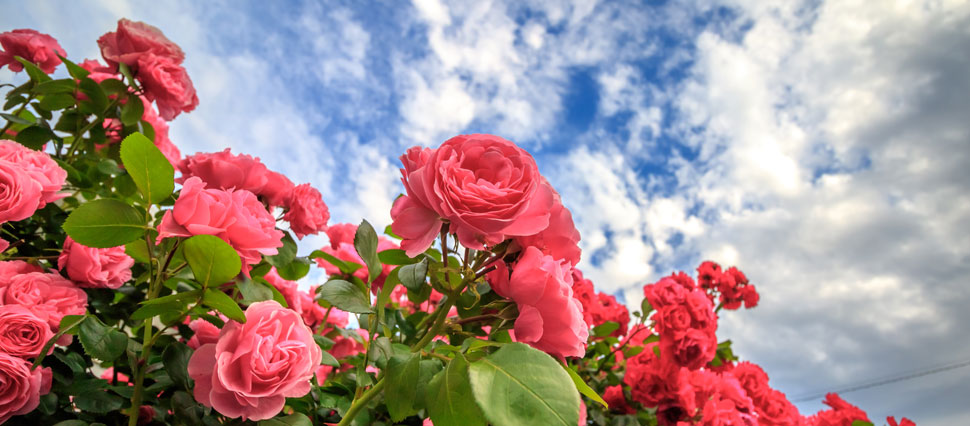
(894, 379)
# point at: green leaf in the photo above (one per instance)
(57, 101)
(96, 97)
(105, 223)
(291, 420)
(15, 119)
(327, 358)
(64, 85)
(253, 290)
(172, 303)
(365, 241)
(176, 360)
(645, 307)
(218, 300)
(34, 137)
(132, 110)
(212, 260)
(294, 270)
(35, 73)
(413, 276)
(100, 341)
(402, 377)
(449, 398)
(148, 167)
(396, 257)
(73, 69)
(98, 402)
(861, 423)
(72, 423)
(284, 255)
(583, 388)
(68, 325)
(344, 267)
(346, 296)
(605, 329)
(519, 385)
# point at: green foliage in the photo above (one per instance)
(213, 261)
(176, 360)
(100, 341)
(346, 296)
(148, 167)
(105, 223)
(449, 399)
(291, 420)
(413, 276)
(402, 379)
(218, 300)
(365, 242)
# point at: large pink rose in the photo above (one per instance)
(168, 84)
(306, 212)
(95, 267)
(560, 239)
(223, 170)
(39, 48)
(133, 40)
(550, 318)
(48, 296)
(255, 366)
(235, 216)
(21, 332)
(20, 194)
(485, 186)
(20, 388)
(40, 166)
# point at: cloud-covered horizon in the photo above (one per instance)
(823, 147)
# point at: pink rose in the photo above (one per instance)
(40, 166)
(255, 366)
(300, 301)
(485, 186)
(48, 296)
(168, 84)
(133, 40)
(4, 245)
(342, 247)
(550, 318)
(560, 239)
(39, 48)
(691, 349)
(20, 388)
(21, 332)
(306, 211)
(10, 268)
(223, 170)
(95, 267)
(236, 217)
(98, 72)
(162, 142)
(205, 333)
(20, 194)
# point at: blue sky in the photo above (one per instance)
(821, 146)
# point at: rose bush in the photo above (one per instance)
(138, 287)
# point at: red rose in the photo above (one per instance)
(691, 349)
(223, 170)
(39, 48)
(752, 378)
(774, 409)
(613, 395)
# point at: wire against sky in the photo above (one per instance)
(880, 382)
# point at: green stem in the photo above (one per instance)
(439, 320)
(22, 108)
(359, 403)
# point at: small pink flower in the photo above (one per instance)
(39, 48)
(306, 212)
(21, 388)
(168, 84)
(21, 332)
(95, 267)
(205, 332)
(255, 366)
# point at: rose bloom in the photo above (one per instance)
(48, 296)
(133, 40)
(20, 388)
(691, 349)
(236, 217)
(205, 332)
(39, 48)
(841, 413)
(774, 409)
(306, 212)
(303, 302)
(550, 318)
(255, 366)
(40, 166)
(95, 267)
(752, 378)
(98, 72)
(560, 239)
(485, 186)
(10, 268)
(4, 245)
(21, 332)
(223, 170)
(168, 84)
(904, 422)
(613, 395)
(20, 194)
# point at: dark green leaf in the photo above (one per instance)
(57, 101)
(109, 167)
(177, 302)
(284, 255)
(64, 85)
(253, 290)
(365, 241)
(100, 341)
(148, 167)
(449, 398)
(176, 360)
(583, 388)
(15, 119)
(294, 270)
(413, 276)
(396, 257)
(96, 97)
(73, 69)
(98, 402)
(114, 86)
(105, 223)
(328, 359)
(645, 307)
(344, 267)
(132, 110)
(605, 329)
(534, 388)
(346, 296)
(72, 423)
(186, 409)
(68, 325)
(291, 420)
(218, 300)
(402, 377)
(34, 137)
(212, 260)
(35, 73)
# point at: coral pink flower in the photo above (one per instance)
(223, 170)
(306, 212)
(236, 217)
(48, 296)
(550, 319)
(168, 84)
(39, 48)
(255, 366)
(205, 332)
(20, 194)
(20, 388)
(95, 267)
(560, 239)
(485, 186)
(21, 332)
(132, 40)
(40, 166)
(342, 247)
